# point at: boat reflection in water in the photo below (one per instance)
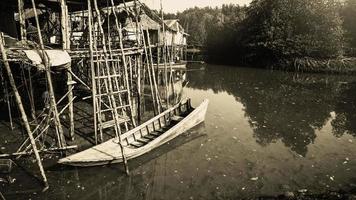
(265, 133)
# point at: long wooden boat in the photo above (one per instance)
(144, 138)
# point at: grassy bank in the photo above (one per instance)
(307, 64)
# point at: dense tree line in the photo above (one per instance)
(274, 31)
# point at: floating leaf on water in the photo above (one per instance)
(254, 179)
(302, 190)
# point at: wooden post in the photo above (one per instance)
(20, 5)
(22, 111)
(53, 103)
(90, 23)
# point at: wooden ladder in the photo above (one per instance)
(112, 93)
(112, 99)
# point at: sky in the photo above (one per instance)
(173, 6)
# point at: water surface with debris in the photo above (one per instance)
(266, 133)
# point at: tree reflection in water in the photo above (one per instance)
(285, 106)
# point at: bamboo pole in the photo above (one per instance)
(158, 99)
(140, 87)
(31, 96)
(66, 45)
(2, 196)
(20, 5)
(8, 101)
(148, 63)
(110, 84)
(7, 155)
(171, 81)
(63, 24)
(90, 21)
(57, 121)
(165, 58)
(7, 97)
(123, 56)
(71, 106)
(138, 82)
(115, 68)
(22, 111)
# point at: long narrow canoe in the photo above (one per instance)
(144, 138)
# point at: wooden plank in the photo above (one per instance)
(111, 123)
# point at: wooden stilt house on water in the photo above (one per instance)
(107, 53)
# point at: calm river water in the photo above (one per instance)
(266, 133)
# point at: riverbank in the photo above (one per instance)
(342, 65)
(334, 66)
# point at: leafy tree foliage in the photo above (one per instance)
(349, 17)
(273, 30)
(295, 28)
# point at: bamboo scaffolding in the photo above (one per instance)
(22, 111)
(123, 57)
(110, 84)
(62, 142)
(66, 45)
(116, 68)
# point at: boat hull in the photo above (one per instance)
(109, 152)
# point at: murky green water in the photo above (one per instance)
(265, 133)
